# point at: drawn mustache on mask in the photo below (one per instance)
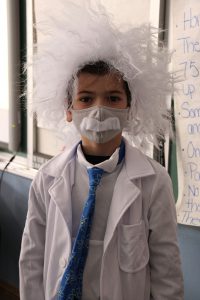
(100, 126)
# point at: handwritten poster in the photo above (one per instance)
(186, 60)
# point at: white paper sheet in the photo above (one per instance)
(186, 41)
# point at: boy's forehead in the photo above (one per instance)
(110, 81)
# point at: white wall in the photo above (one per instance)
(131, 11)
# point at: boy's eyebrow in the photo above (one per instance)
(107, 92)
(85, 92)
(115, 92)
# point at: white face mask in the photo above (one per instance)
(100, 124)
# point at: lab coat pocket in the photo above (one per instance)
(133, 251)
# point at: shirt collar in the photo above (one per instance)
(108, 165)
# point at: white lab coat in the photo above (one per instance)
(141, 257)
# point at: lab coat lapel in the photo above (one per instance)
(60, 193)
(125, 191)
(123, 197)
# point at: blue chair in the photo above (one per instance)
(189, 241)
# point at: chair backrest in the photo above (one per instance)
(189, 241)
(13, 210)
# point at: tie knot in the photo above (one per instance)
(95, 175)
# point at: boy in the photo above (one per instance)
(133, 251)
(111, 236)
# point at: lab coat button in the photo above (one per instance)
(63, 262)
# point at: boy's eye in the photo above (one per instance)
(85, 99)
(114, 98)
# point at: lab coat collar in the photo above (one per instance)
(137, 164)
(56, 167)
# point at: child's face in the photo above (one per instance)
(99, 90)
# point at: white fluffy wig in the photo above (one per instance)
(83, 33)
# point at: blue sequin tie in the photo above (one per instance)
(71, 283)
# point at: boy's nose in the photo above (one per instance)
(100, 101)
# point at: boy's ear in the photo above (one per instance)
(68, 116)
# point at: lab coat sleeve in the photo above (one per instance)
(165, 265)
(32, 248)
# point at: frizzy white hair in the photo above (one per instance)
(83, 33)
